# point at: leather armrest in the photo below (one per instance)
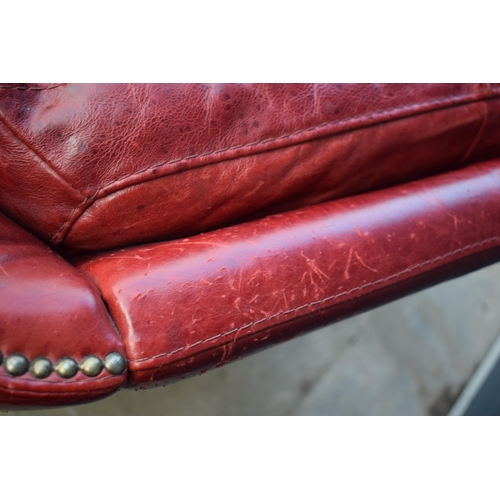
(55, 333)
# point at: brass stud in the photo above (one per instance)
(41, 368)
(91, 366)
(66, 367)
(115, 363)
(16, 364)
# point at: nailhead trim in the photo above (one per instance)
(66, 367)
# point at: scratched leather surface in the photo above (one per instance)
(48, 308)
(96, 167)
(188, 305)
(103, 166)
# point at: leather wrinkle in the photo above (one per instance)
(39, 155)
(64, 382)
(18, 87)
(108, 312)
(49, 393)
(326, 299)
(95, 196)
(475, 140)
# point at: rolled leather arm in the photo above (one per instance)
(58, 345)
(189, 305)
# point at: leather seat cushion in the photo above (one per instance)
(111, 165)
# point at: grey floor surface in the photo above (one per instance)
(411, 357)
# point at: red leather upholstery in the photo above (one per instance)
(376, 191)
(130, 164)
(188, 305)
(48, 309)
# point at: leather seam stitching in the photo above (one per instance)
(487, 94)
(326, 299)
(382, 112)
(65, 223)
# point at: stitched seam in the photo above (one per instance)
(69, 218)
(326, 299)
(382, 112)
(18, 87)
(451, 100)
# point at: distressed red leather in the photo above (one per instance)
(110, 165)
(49, 309)
(320, 201)
(188, 305)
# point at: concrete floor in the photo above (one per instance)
(411, 357)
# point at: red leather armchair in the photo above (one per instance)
(152, 232)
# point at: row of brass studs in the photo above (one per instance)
(17, 365)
